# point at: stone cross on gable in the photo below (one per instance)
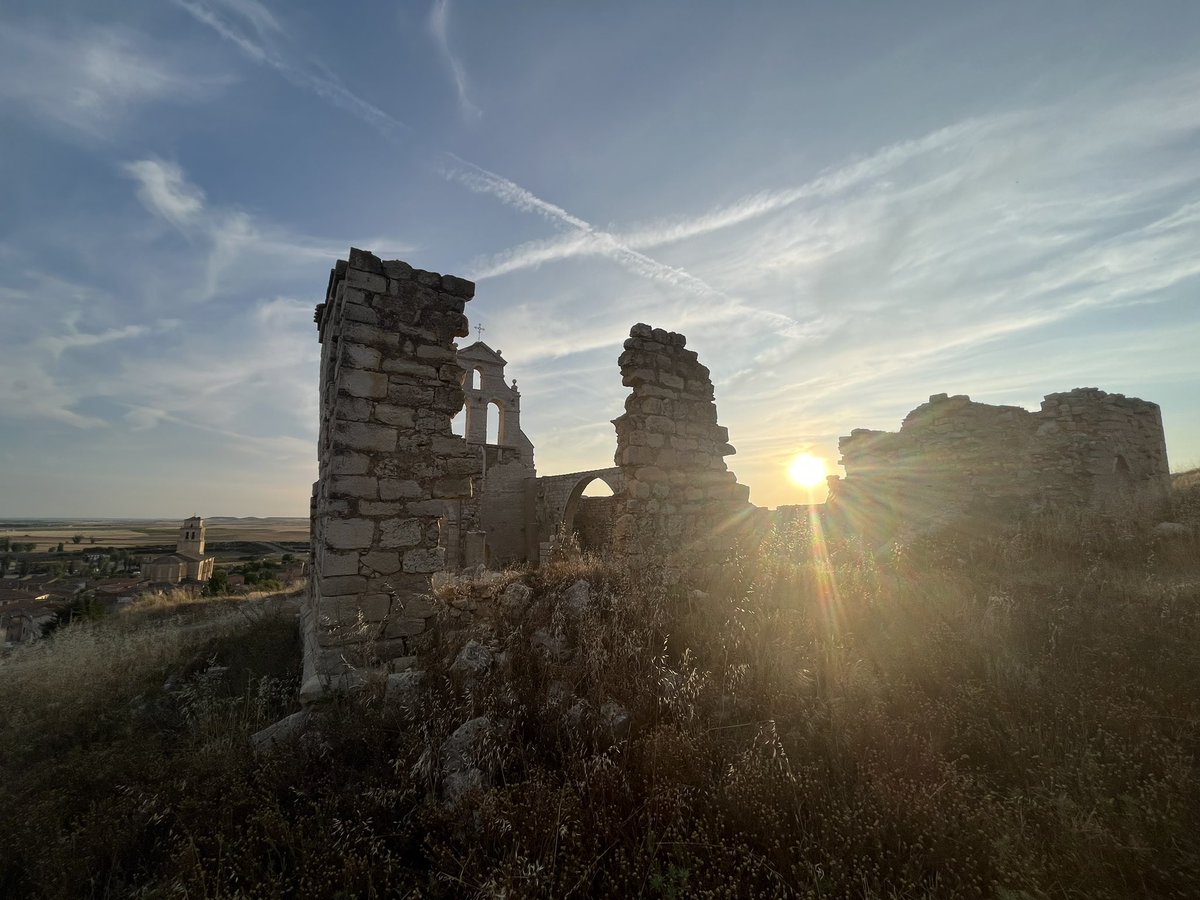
(479, 330)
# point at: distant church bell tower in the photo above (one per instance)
(191, 537)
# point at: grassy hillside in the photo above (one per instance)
(1013, 718)
(1186, 489)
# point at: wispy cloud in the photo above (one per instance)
(599, 243)
(607, 245)
(259, 49)
(439, 17)
(165, 192)
(988, 237)
(231, 236)
(72, 338)
(91, 80)
(832, 182)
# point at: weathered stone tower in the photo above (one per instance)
(388, 462)
(191, 537)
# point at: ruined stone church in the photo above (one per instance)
(399, 496)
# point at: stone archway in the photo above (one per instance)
(563, 508)
(590, 518)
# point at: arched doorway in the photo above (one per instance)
(590, 511)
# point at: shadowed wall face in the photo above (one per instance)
(680, 507)
(953, 459)
(388, 462)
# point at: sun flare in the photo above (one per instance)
(807, 470)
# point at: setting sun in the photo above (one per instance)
(807, 470)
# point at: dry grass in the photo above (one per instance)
(1013, 717)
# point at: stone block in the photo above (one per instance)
(366, 436)
(382, 562)
(360, 356)
(636, 456)
(401, 489)
(342, 584)
(359, 312)
(339, 564)
(450, 445)
(370, 335)
(641, 330)
(452, 486)
(436, 355)
(399, 416)
(401, 533)
(353, 409)
(447, 400)
(367, 281)
(402, 394)
(363, 383)
(397, 269)
(458, 287)
(409, 368)
(380, 509)
(349, 534)
(356, 486)
(635, 377)
(451, 374)
(425, 560)
(404, 627)
(419, 607)
(462, 466)
(348, 617)
(348, 464)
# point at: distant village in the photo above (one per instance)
(47, 584)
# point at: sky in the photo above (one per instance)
(845, 207)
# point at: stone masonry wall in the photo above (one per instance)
(388, 462)
(680, 504)
(952, 458)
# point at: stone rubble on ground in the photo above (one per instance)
(281, 732)
(462, 757)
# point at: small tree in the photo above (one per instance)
(218, 584)
(60, 548)
(77, 539)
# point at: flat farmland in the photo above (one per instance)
(142, 532)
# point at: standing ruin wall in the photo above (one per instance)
(680, 506)
(388, 462)
(952, 459)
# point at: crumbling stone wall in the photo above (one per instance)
(388, 462)
(680, 507)
(954, 459)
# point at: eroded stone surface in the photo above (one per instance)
(1084, 451)
(389, 386)
(680, 508)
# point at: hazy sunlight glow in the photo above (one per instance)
(807, 470)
